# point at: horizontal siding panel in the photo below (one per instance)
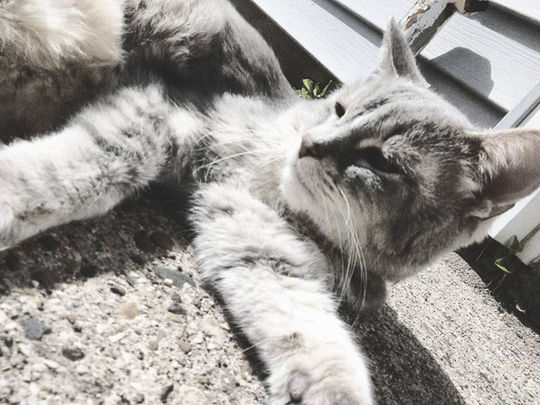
(343, 49)
(500, 68)
(529, 9)
(348, 49)
(495, 66)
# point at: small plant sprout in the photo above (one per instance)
(506, 261)
(311, 90)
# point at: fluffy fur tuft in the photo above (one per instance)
(49, 33)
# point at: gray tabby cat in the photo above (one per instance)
(300, 205)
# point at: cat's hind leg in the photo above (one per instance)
(106, 153)
(272, 283)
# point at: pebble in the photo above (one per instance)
(52, 365)
(185, 346)
(178, 279)
(8, 341)
(210, 327)
(71, 318)
(118, 337)
(139, 398)
(188, 395)
(162, 240)
(118, 290)
(34, 329)
(166, 392)
(129, 310)
(176, 308)
(72, 353)
(77, 327)
(154, 344)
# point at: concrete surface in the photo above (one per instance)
(99, 288)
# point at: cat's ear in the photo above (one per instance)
(509, 169)
(397, 58)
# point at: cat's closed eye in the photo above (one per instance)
(375, 159)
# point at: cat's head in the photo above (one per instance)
(387, 168)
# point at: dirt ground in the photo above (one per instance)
(111, 311)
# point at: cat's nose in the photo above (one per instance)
(308, 148)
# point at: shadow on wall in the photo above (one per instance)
(470, 65)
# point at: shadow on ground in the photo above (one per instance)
(403, 371)
(136, 238)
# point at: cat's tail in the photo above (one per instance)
(49, 33)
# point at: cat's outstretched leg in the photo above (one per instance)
(272, 283)
(107, 152)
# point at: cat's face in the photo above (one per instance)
(391, 172)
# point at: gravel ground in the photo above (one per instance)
(111, 311)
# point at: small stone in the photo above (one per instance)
(71, 318)
(73, 353)
(176, 308)
(191, 396)
(52, 365)
(168, 282)
(8, 341)
(118, 290)
(143, 242)
(82, 369)
(77, 327)
(210, 327)
(166, 392)
(34, 329)
(139, 398)
(154, 344)
(140, 355)
(185, 346)
(129, 310)
(130, 281)
(162, 240)
(118, 337)
(24, 349)
(178, 279)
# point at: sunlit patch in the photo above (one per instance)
(369, 143)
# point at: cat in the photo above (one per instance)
(299, 206)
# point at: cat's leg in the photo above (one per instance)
(106, 153)
(273, 285)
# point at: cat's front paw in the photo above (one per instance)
(310, 387)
